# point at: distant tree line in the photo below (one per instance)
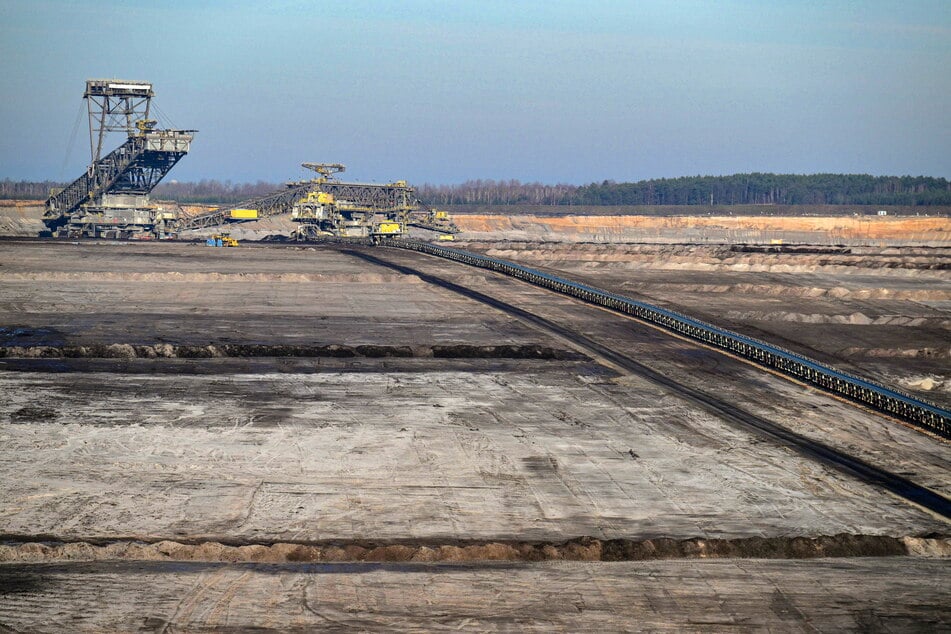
(772, 189)
(212, 192)
(738, 189)
(205, 191)
(491, 192)
(26, 190)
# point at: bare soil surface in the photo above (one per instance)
(849, 230)
(881, 313)
(739, 595)
(198, 434)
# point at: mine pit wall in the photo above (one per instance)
(21, 218)
(876, 231)
(24, 218)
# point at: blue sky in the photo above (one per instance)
(441, 92)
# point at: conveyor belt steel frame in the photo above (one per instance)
(273, 204)
(884, 399)
(390, 198)
(362, 197)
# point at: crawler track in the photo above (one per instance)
(814, 450)
(878, 397)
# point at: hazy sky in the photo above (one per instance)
(440, 91)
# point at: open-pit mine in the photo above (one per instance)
(344, 436)
(335, 408)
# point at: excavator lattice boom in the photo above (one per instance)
(325, 206)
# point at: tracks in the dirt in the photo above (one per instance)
(809, 448)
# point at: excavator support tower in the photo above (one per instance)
(111, 199)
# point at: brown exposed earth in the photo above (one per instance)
(844, 230)
(583, 549)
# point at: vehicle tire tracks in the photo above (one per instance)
(812, 449)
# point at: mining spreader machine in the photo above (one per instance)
(111, 200)
(325, 207)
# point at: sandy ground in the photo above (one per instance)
(839, 230)
(860, 595)
(881, 313)
(413, 450)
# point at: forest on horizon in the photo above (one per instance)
(736, 189)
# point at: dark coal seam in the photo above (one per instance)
(250, 351)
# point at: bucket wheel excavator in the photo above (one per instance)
(327, 207)
(111, 199)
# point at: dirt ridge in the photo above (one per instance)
(41, 550)
(219, 350)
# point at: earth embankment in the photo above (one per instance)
(845, 230)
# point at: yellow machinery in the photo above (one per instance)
(325, 206)
(350, 210)
(389, 229)
(311, 206)
(221, 240)
(437, 220)
(326, 170)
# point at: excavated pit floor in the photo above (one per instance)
(879, 312)
(323, 402)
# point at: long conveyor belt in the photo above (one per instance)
(878, 397)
